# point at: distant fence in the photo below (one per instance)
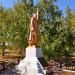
(70, 65)
(10, 58)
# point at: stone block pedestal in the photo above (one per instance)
(34, 52)
(30, 65)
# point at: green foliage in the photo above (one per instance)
(56, 32)
(14, 26)
(57, 36)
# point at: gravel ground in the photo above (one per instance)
(13, 72)
(8, 72)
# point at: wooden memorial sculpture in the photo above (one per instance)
(34, 30)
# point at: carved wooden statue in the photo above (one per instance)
(34, 30)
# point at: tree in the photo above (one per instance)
(2, 29)
(69, 33)
(19, 26)
(51, 18)
(14, 26)
(29, 2)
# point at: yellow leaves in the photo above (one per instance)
(73, 20)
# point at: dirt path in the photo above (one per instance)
(12, 72)
(65, 73)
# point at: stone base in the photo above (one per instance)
(34, 52)
(30, 65)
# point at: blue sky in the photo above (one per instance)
(62, 4)
(8, 3)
